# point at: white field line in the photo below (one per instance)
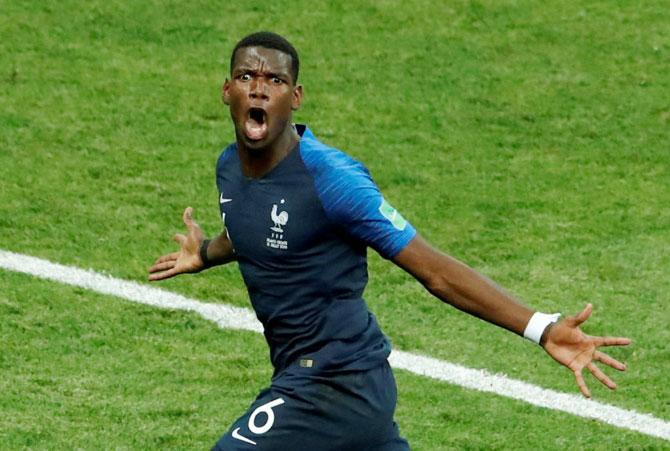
(230, 317)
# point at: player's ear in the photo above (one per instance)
(297, 97)
(225, 92)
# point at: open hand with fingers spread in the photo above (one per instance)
(187, 259)
(568, 345)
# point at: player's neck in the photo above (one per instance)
(255, 163)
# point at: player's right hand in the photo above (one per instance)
(187, 259)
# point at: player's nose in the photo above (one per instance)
(258, 89)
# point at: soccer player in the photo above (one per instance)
(298, 217)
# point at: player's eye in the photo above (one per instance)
(277, 80)
(245, 77)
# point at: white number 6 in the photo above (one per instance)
(267, 410)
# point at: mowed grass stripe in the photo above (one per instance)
(231, 317)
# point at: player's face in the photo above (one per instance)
(261, 96)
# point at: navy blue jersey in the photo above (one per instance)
(300, 233)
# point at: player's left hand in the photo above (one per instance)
(568, 345)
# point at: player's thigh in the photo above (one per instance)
(350, 411)
(396, 443)
(278, 419)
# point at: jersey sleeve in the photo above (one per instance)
(352, 200)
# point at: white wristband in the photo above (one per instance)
(538, 322)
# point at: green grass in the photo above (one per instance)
(528, 139)
(87, 371)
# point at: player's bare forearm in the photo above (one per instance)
(220, 250)
(465, 289)
(459, 285)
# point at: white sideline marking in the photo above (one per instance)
(230, 317)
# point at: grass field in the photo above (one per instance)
(529, 139)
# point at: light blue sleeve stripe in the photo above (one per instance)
(352, 200)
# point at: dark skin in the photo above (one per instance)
(262, 96)
(261, 79)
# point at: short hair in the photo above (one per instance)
(269, 40)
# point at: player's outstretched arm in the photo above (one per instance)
(457, 284)
(189, 257)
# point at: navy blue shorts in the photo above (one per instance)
(301, 411)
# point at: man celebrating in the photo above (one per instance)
(298, 217)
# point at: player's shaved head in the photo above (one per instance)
(269, 40)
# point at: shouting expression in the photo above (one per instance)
(261, 95)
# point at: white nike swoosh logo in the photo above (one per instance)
(223, 201)
(237, 435)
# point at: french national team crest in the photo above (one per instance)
(279, 219)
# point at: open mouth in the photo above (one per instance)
(255, 127)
